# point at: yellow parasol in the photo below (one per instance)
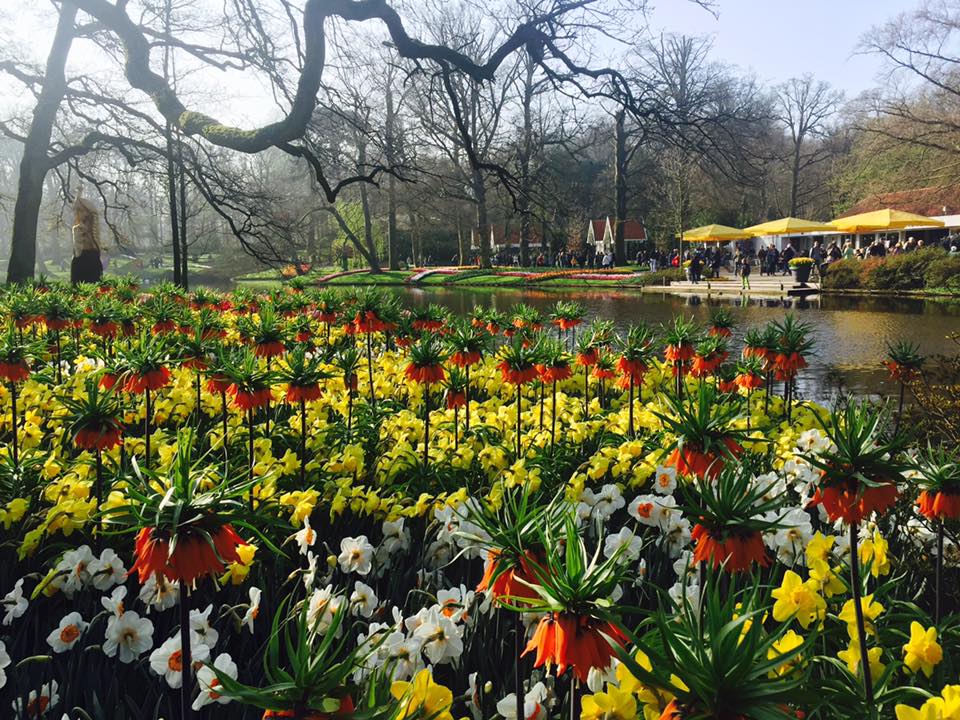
(882, 220)
(714, 233)
(788, 226)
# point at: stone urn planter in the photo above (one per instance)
(801, 273)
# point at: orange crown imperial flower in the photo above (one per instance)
(96, 438)
(191, 557)
(303, 393)
(580, 642)
(847, 501)
(737, 553)
(150, 380)
(424, 374)
(14, 371)
(939, 504)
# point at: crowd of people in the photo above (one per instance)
(707, 262)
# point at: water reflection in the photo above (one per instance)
(850, 332)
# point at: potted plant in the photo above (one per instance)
(801, 267)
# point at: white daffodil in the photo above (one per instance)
(4, 663)
(107, 570)
(128, 636)
(253, 609)
(66, 635)
(403, 654)
(15, 603)
(440, 637)
(167, 660)
(665, 480)
(114, 603)
(534, 707)
(356, 555)
(625, 544)
(305, 537)
(159, 594)
(201, 631)
(208, 681)
(75, 567)
(38, 703)
(363, 600)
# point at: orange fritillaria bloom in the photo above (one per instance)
(679, 353)
(579, 642)
(555, 373)
(138, 383)
(588, 358)
(97, 438)
(455, 400)
(249, 399)
(424, 374)
(900, 372)
(517, 376)
(14, 371)
(737, 553)
(192, 557)
(939, 504)
(748, 381)
(269, 349)
(693, 461)
(632, 368)
(851, 503)
(507, 584)
(788, 365)
(465, 359)
(304, 393)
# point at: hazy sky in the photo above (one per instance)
(779, 39)
(776, 39)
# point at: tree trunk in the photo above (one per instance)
(795, 178)
(182, 188)
(461, 249)
(526, 149)
(35, 163)
(173, 204)
(393, 250)
(371, 254)
(620, 190)
(483, 222)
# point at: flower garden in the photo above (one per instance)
(327, 505)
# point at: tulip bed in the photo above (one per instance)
(327, 505)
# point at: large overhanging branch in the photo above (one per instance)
(140, 75)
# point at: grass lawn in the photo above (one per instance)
(489, 280)
(387, 277)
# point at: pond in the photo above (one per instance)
(850, 333)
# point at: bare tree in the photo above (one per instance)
(805, 106)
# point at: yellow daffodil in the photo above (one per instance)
(614, 704)
(819, 548)
(301, 503)
(871, 611)
(922, 652)
(423, 696)
(789, 642)
(797, 598)
(852, 657)
(237, 572)
(873, 552)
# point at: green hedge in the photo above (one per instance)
(924, 269)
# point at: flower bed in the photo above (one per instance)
(329, 505)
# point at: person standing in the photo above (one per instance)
(86, 266)
(742, 266)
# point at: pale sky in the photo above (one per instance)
(780, 39)
(774, 39)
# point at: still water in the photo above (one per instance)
(850, 333)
